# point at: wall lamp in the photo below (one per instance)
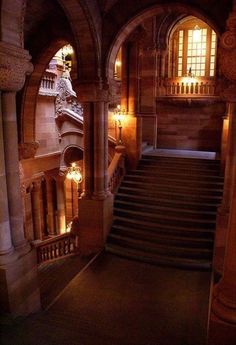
(74, 173)
(119, 116)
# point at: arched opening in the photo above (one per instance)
(168, 79)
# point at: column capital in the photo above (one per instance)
(14, 65)
(28, 150)
(92, 91)
(36, 185)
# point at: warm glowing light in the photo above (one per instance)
(119, 114)
(67, 50)
(188, 80)
(118, 63)
(197, 33)
(74, 173)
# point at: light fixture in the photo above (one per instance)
(66, 50)
(74, 173)
(119, 117)
(196, 34)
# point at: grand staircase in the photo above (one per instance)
(165, 212)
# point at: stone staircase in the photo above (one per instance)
(165, 212)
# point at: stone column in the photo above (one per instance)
(222, 323)
(99, 152)
(224, 139)
(36, 210)
(50, 209)
(132, 124)
(95, 204)
(223, 210)
(12, 170)
(19, 293)
(225, 292)
(61, 209)
(6, 249)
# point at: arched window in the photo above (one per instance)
(193, 49)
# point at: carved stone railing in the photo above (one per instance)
(54, 248)
(191, 87)
(48, 84)
(116, 171)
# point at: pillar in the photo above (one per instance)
(132, 124)
(223, 209)
(12, 170)
(50, 207)
(222, 322)
(19, 292)
(6, 248)
(36, 210)
(61, 208)
(96, 202)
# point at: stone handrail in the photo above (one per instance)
(116, 171)
(187, 86)
(56, 247)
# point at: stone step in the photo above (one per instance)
(180, 168)
(169, 195)
(174, 181)
(190, 205)
(166, 238)
(176, 175)
(178, 165)
(166, 219)
(171, 229)
(193, 190)
(151, 258)
(160, 210)
(183, 160)
(160, 249)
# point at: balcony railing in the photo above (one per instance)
(190, 87)
(56, 247)
(48, 83)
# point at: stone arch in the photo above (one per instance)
(126, 29)
(84, 23)
(29, 99)
(71, 153)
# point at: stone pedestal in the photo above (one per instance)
(95, 220)
(19, 293)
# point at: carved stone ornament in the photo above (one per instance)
(227, 52)
(66, 99)
(14, 65)
(28, 150)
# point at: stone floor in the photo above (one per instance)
(121, 302)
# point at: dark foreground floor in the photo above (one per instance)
(121, 302)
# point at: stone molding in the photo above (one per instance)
(14, 66)
(28, 150)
